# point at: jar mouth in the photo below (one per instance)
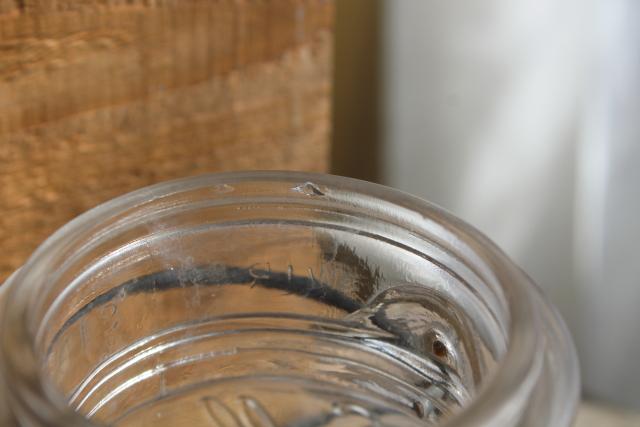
(536, 342)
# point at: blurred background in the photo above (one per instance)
(523, 118)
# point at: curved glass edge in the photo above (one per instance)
(562, 401)
(6, 417)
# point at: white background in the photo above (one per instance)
(523, 118)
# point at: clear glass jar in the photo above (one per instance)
(278, 299)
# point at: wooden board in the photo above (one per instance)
(99, 97)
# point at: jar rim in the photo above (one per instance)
(527, 342)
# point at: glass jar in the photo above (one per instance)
(278, 299)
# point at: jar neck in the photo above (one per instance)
(537, 376)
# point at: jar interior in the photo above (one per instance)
(256, 305)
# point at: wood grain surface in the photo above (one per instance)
(99, 97)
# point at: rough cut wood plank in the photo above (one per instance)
(100, 97)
